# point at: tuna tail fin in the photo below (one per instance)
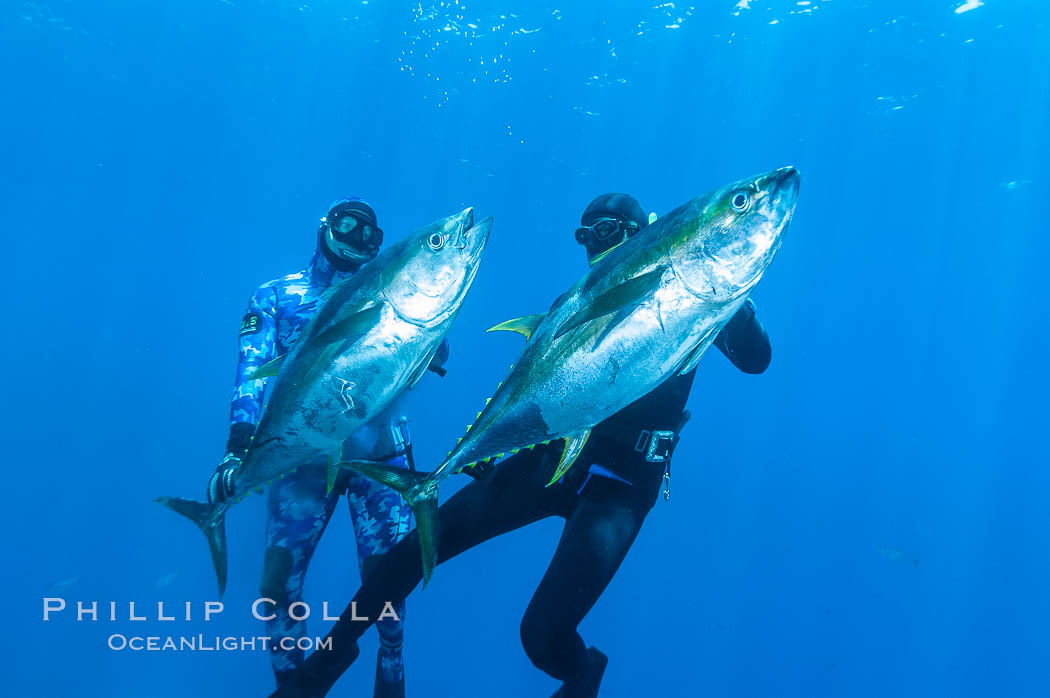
(423, 499)
(211, 525)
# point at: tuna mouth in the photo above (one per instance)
(476, 237)
(465, 226)
(786, 182)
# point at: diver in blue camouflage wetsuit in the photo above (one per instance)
(298, 508)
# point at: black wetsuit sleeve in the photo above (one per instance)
(744, 341)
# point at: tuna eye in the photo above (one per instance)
(435, 241)
(740, 202)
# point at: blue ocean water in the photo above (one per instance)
(867, 518)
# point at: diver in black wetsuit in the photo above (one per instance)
(604, 505)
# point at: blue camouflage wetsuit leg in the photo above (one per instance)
(299, 509)
(298, 513)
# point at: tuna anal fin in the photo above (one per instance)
(574, 444)
(425, 507)
(396, 477)
(270, 368)
(214, 529)
(524, 326)
(423, 500)
(629, 294)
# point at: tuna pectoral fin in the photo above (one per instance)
(698, 353)
(213, 527)
(318, 352)
(524, 326)
(423, 500)
(629, 294)
(574, 444)
(270, 368)
(357, 324)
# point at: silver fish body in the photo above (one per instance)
(645, 311)
(702, 261)
(372, 338)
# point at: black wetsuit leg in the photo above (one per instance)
(595, 541)
(513, 496)
(602, 521)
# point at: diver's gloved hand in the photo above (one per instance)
(437, 364)
(220, 487)
(742, 318)
(481, 471)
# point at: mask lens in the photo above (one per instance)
(606, 228)
(373, 234)
(344, 228)
(351, 230)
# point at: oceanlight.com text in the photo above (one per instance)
(199, 643)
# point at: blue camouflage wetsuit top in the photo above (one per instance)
(298, 508)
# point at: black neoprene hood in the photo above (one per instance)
(615, 204)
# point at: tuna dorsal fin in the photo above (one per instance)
(522, 325)
(574, 444)
(629, 294)
(270, 368)
(355, 324)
